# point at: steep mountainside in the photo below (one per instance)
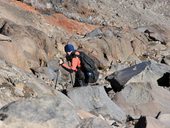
(128, 39)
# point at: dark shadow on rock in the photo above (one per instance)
(165, 80)
(2, 28)
(3, 116)
(116, 86)
(119, 78)
(33, 71)
(157, 116)
(129, 118)
(148, 34)
(107, 89)
(163, 60)
(64, 91)
(141, 123)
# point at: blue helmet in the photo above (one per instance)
(69, 48)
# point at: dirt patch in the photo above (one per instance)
(71, 26)
(23, 6)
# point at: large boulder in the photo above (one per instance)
(95, 99)
(29, 47)
(119, 78)
(142, 92)
(44, 112)
(16, 83)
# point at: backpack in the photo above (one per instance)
(88, 66)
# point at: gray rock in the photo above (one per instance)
(49, 75)
(51, 110)
(119, 78)
(156, 33)
(29, 47)
(95, 99)
(5, 38)
(95, 33)
(94, 123)
(142, 92)
(165, 118)
(16, 83)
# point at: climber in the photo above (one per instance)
(83, 66)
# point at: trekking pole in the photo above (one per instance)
(71, 76)
(56, 79)
(71, 79)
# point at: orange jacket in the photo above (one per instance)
(75, 63)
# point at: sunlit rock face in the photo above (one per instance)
(110, 12)
(47, 111)
(143, 90)
(128, 40)
(28, 46)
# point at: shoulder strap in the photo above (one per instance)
(72, 55)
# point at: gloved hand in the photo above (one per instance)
(60, 61)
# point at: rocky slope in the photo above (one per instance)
(129, 40)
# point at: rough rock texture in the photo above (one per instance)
(95, 99)
(142, 92)
(165, 118)
(29, 47)
(156, 33)
(16, 83)
(94, 123)
(44, 112)
(117, 34)
(112, 45)
(110, 12)
(119, 78)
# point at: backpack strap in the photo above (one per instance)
(73, 55)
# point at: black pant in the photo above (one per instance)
(80, 79)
